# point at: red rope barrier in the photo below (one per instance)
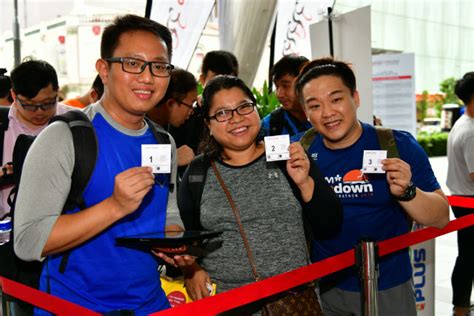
(43, 300)
(258, 290)
(461, 201)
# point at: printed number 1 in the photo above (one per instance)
(151, 158)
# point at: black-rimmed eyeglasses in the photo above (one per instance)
(137, 66)
(190, 106)
(34, 107)
(227, 114)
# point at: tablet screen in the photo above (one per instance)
(167, 238)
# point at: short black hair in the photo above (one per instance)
(130, 23)
(464, 87)
(220, 62)
(29, 77)
(288, 65)
(181, 82)
(5, 85)
(98, 86)
(326, 66)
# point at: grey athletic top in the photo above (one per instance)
(271, 217)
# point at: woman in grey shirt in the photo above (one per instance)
(276, 200)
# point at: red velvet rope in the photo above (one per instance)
(258, 290)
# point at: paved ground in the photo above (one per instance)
(446, 251)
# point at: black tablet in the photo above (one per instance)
(167, 238)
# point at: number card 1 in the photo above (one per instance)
(372, 161)
(158, 157)
(276, 147)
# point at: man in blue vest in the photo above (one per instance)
(83, 264)
(289, 118)
(376, 205)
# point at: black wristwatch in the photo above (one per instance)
(409, 194)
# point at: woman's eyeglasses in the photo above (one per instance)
(227, 114)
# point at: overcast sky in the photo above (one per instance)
(32, 12)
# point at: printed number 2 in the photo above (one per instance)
(273, 147)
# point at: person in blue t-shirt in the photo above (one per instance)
(375, 206)
(289, 119)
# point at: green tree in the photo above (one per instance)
(447, 87)
(422, 106)
(266, 100)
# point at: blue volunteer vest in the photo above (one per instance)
(100, 275)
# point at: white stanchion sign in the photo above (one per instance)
(393, 88)
(185, 19)
(423, 262)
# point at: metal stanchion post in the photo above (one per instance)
(366, 258)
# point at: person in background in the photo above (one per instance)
(460, 182)
(274, 198)
(93, 95)
(289, 118)
(83, 264)
(214, 63)
(375, 205)
(176, 107)
(34, 91)
(5, 86)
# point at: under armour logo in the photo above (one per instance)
(314, 156)
(273, 174)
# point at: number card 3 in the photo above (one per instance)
(158, 157)
(276, 147)
(372, 161)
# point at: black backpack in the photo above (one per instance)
(278, 123)
(85, 148)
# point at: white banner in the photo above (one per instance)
(292, 30)
(393, 86)
(185, 19)
(352, 43)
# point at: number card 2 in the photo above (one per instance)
(276, 147)
(372, 161)
(158, 157)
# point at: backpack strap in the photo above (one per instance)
(277, 122)
(308, 138)
(85, 155)
(4, 121)
(387, 141)
(197, 173)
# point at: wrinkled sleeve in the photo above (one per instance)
(44, 188)
(323, 214)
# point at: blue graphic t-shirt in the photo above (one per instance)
(369, 209)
